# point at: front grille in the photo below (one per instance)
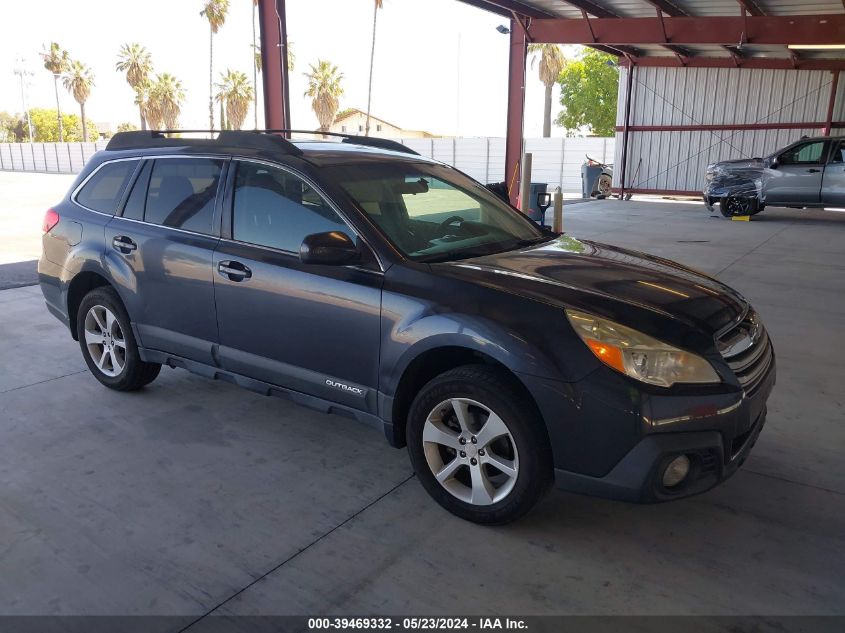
(748, 351)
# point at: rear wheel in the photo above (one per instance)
(478, 446)
(605, 185)
(108, 344)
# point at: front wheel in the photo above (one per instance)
(478, 446)
(108, 344)
(736, 206)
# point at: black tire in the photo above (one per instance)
(731, 206)
(494, 389)
(135, 373)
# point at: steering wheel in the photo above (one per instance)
(445, 224)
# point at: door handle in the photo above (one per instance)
(234, 271)
(813, 171)
(123, 244)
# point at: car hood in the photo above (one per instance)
(745, 163)
(657, 296)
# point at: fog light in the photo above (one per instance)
(676, 471)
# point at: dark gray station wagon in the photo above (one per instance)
(362, 279)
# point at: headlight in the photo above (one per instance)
(637, 355)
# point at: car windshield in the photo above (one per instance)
(434, 213)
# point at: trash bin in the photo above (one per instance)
(534, 211)
(590, 179)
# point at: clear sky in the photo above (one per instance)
(424, 48)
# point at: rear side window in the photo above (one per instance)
(182, 193)
(134, 208)
(104, 189)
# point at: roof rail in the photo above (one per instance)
(256, 139)
(370, 141)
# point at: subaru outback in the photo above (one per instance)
(359, 278)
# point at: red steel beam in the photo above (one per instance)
(725, 127)
(516, 109)
(765, 63)
(834, 85)
(798, 29)
(274, 71)
(659, 192)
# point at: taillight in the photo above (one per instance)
(51, 219)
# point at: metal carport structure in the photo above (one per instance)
(745, 43)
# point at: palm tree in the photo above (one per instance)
(256, 63)
(235, 91)
(57, 61)
(324, 90)
(215, 12)
(552, 62)
(78, 80)
(378, 5)
(166, 97)
(137, 63)
(142, 100)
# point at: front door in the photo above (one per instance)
(833, 183)
(161, 248)
(796, 180)
(312, 329)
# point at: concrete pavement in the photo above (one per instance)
(194, 497)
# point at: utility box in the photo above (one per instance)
(534, 211)
(590, 179)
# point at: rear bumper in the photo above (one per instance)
(52, 287)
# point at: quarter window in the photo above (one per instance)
(805, 154)
(838, 155)
(274, 208)
(182, 193)
(104, 189)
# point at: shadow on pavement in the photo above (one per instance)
(18, 274)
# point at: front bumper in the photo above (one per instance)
(616, 445)
(637, 477)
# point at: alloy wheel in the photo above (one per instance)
(738, 206)
(105, 340)
(470, 451)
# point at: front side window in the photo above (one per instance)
(182, 193)
(431, 212)
(272, 207)
(804, 154)
(104, 189)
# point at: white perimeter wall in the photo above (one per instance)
(557, 161)
(714, 96)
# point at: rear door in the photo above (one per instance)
(160, 250)
(833, 183)
(313, 329)
(797, 177)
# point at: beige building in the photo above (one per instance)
(354, 121)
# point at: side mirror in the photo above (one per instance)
(773, 162)
(329, 249)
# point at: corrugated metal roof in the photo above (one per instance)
(701, 8)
